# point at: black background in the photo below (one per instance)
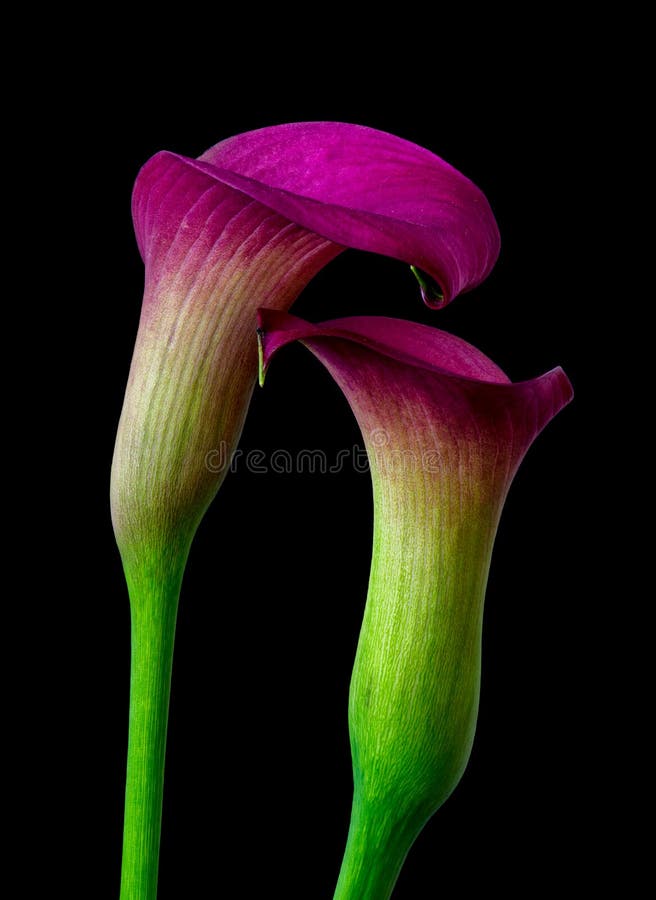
(258, 769)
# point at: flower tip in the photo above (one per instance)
(559, 384)
(261, 362)
(276, 329)
(566, 387)
(550, 392)
(431, 293)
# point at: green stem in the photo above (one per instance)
(154, 611)
(373, 857)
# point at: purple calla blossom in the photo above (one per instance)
(445, 431)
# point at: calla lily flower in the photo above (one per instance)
(445, 432)
(247, 224)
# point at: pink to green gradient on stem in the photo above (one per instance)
(246, 225)
(445, 432)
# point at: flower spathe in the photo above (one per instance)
(445, 431)
(246, 225)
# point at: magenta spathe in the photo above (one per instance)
(355, 186)
(455, 431)
(247, 225)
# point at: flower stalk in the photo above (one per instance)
(154, 605)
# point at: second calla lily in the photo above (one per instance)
(248, 224)
(445, 431)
